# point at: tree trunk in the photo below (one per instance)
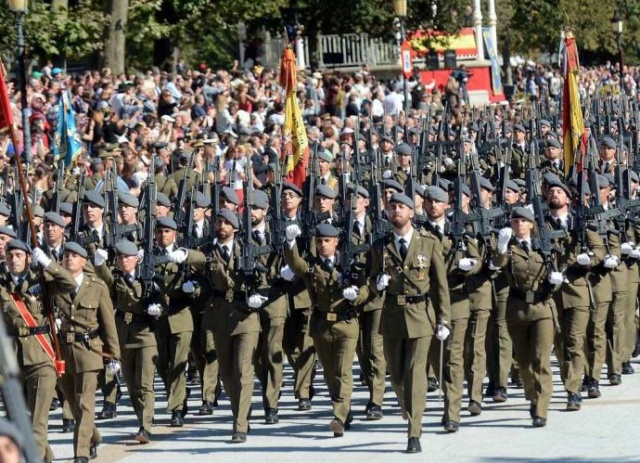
(114, 44)
(60, 8)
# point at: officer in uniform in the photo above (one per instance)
(553, 162)
(461, 259)
(231, 315)
(520, 152)
(135, 323)
(403, 169)
(25, 319)
(89, 339)
(408, 268)
(175, 327)
(530, 308)
(334, 321)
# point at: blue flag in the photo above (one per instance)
(67, 139)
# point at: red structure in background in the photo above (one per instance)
(464, 45)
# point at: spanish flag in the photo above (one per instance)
(6, 115)
(296, 144)
(573, 132)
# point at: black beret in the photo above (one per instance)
(229, 216)
(293, 187)
(19, 245)
(128, 200)
(519, 128)
(166, 222)
(545, 123)
(126, 248)
(259, 199)
(604, 181)
(386, 137)
(390, 184)
(474, 127)
(522, 213)
(163, 200)
(8, 231)
(54, 218)
(511, 185)
(230, 195)
(325, 191)
(71, 246)
(93, 197)
(419, 190)
(402, 199)
(553, 143)
(521, 183)
(327, 230)
(201, 200)
(633, 176)
(486, 184)
(558, 183)
(4, 209)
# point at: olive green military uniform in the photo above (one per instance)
(193, 179)
(92, 182)
(88, 336)
(409, 316)
(38, 371)
(174, 330)
(333, 327)
(370, 349)
(235, 327)
(530, 318)
(269, 364)
(614, 326)
(499, 348)
(138, 345)
(453, 356)
(573, 303)
(519, 162)
(633, 271)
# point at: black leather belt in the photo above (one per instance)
(129, 317)
(401, 299)
(530, 297)
(25, 331)
(334, 317)
(70, 337)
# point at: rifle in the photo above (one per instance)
(77, 209)
(179, 214)
(250, 251)
(481, 217)
(459, 218)
(56, 198)
(348, 250)
(502, 186)
(278, 225)
(380, 223)
(151, 280)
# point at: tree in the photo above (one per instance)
(115, 37)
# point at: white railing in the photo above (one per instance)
(347, 50)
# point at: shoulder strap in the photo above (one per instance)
(31, 323)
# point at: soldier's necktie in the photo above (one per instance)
(403, 248)
(323, 181)
(55, 255)
(328, 264)
(525, 246)
(356, 229)
(130, 279)
(225, 253)
(258, 236)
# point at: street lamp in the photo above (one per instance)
(21, 8)
(617, 24)
(400, 10)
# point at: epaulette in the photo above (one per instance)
(426, 233)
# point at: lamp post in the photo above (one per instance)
(21, 8)
(400, 10)
(618, 25)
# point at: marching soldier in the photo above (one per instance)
(135, 323)
(89, 339)
(530, 309)
(334, 320)
(25, 319)
(408, 268)
(520, 152)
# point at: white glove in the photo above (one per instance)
(448, 162)
(504, 236)
(40, 258)
(442, 332)
(286, 273)
(626, 248)
(387, 174)
(58, 324)
(382, 281)
(100, 257)
(465, 264)
(188, 287)
(256, 301)
(583, 259)
(556, 278)
(635, 253)
(140, 254)
(292, 232)
(493, 267)
(155, 310)
(611, 261)
(350, 293)
(178, 256)
(114, 367)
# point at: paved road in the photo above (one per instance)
(605, 430)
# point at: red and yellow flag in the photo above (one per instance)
(6, 115)
(296, 146)
(573, 131)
